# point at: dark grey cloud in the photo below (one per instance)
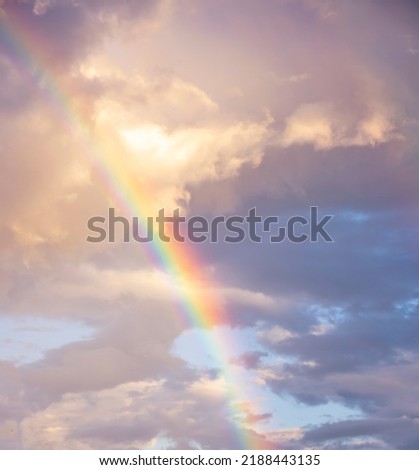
(366, 434)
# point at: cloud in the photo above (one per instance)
(250, 360)
(216, 107)
(320, 125)
(79, 420)
(64, 31)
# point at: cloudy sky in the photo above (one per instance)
(214, 107)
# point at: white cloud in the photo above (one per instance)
(324, 127)
(276, 335)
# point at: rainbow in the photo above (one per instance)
(198, 307)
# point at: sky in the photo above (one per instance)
(213, 107)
